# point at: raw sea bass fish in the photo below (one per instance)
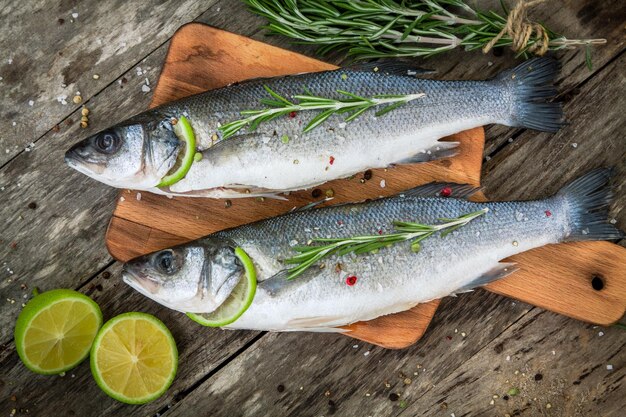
(139, 152)
(197, 277)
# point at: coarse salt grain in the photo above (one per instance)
(138, 196)
(609, 367)
(31, 103)
(600, 334)
(383, 183)
(75, 15)
(145, 88)
(574, 145)
(368, 352)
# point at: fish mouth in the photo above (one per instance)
(77, 158)
(140, 282)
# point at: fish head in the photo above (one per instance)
(193, 278)
(131, 155)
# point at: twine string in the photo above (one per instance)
(521, 31)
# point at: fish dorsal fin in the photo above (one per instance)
(443, 189)
(501, 270)
(402, 68)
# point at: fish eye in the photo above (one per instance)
(107, 142)
(164, 262)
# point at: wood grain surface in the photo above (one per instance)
(479, 344)
(144, 222)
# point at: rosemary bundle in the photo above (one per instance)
(369, 29)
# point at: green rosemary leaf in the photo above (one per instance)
(389, 108)
(277, 96)
(354, 96)
(271, 103)
(356, 114)
(318, 120)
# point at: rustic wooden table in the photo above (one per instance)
(479, 347)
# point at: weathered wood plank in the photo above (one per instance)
(60, 243)
(48, 53)
(85, 254)
(529, 182)
(200, 351)
(535, 358)
(309, 365)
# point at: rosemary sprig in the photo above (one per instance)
(390, 28)
(416, 232)
(279, 106)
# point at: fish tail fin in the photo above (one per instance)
(532, 84)
(587, 199)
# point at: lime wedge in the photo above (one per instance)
(184, 132)
(55, 330)
(134, 358)
(237, 302)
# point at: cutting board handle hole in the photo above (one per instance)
(597, 283)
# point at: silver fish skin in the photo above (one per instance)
(394, 279)
(259, 160)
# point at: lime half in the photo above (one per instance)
(134, 358)
(55, 330)
(184, 131)
(237, 302)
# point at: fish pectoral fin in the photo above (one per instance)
(315, 322)
(390, 67)
(502, 270)
(440, 151)
(278, 282)
(436, 189)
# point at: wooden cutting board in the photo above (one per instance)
(200, 58)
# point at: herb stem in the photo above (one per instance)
(279, 106)
(405, 231)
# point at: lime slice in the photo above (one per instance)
(237, 302)
(134, 358)
(55, 330)
(184, 131)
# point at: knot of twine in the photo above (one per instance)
(520, 29)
